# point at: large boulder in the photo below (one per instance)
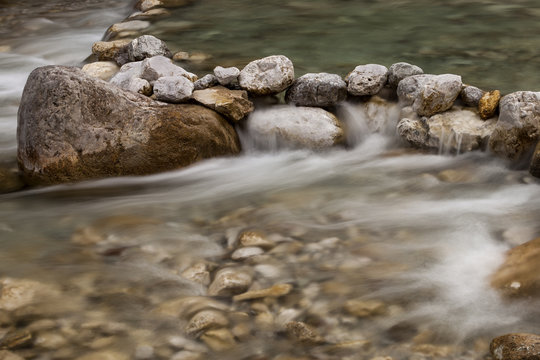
(73, 127)
(519, 275)
(317, 90)
(266, 76)
(456, 130)
(233, 104)
(519, 346)
(366, 79)
(294, 127)
(518, 128)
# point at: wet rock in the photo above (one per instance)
(227, 77)
(15, 339)
(274, 291)
(159, 66)
(456, 130)
(198, 273)
(266, 76)
(246, 252)
(230, 281)
(129, 78)
(471, 95)
(103, 70)
(366, 79)
(437, 95)
(10, 180)
(534, 167)
(409, 88)
(401, 70)
(107, 131)
(219, 339)
(186, 307)
(103, 355)
(233, 104)
(320, 89)
(207, 81)
(151, 14)
(519, 275)
(145, 5)
(8, 355)
(365, 308)
(518, 127)
(146, 46)
(173, 89)
(303, 333)
(254, 238)
(204, 320)
(50, 341)
(345, 349)
(488, 104)
(516, 347)
(295, 127)
(111, 50)
(126, 27)
(17, 293)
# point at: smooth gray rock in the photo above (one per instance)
(409, 88)
(266, 76)
(366, 79)
(401, 70)
(518, 127)
(227, 77)
(471, 95)
(206, 82)
(73, 127)
(129, 78)
(320, 89)
(160, 66)
(146, 46)
(455, 131)
(437, 94)
(173, 89)
(294, 127)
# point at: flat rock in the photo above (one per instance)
(160, 66)
(103, 70)
(321, 89)
(146, 46)
(456, 130)
(366, 79)
(230, 281)
(516, 347)
(173, 89)
(534, 167)
(275, 291)
(488, 104)
(437, 94)
(518, 127)
(294, 127)
(519, 275)
(73, 127)
(266, 76)
(227, 77)
(132, 26)
(471, 95)
(233, 104)
(401, 70)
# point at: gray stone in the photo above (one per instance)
(73, 127)
(401, 70)
(227, 77)
(534, 167)
(294, 127)
(471, 95)
(518, 127)
(456, 131)
(207, 81)
(233, 104)
(317, 90)
(160, 66)
(128, 78)
(518, 346)
(409, 88)
(437, 95)
(146, 46)
(173, 89)
(266, 76)
(366, 79)
(103, 70)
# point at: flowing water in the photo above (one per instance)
(101, 265)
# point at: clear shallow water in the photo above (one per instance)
(420, 234)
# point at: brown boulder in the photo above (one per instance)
(233, 104)
(519, 275)
(73, 127)
(516, 347)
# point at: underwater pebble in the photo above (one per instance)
(246, 252)
(204, 320)
(230, 281)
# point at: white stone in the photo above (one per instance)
(266, 76)
(103, 70)
(227, 76)
(366, 79)
(173, 89)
